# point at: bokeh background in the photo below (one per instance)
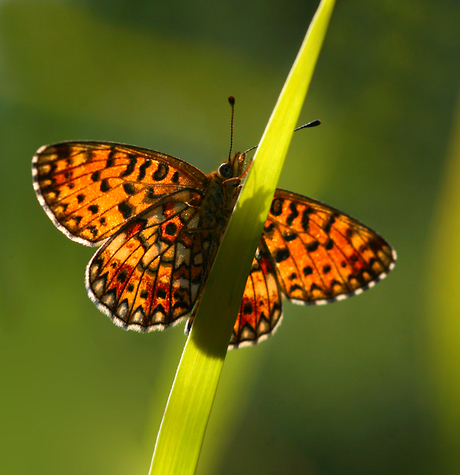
(370, 385)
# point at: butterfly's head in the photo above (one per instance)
(234, 168)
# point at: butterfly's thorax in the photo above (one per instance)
(218, 202)
(221, 193)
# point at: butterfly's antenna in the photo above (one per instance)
(313, 123)
(249, 149)
(231, 101)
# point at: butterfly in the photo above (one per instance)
(159, 221)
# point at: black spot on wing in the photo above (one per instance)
(171, 229)
(330, 222)
(105, 185)
(295, 287)
(143, 170)
(282, 255)
(329, 244)
(307, 270)
(293, 214)
(129, 188)
(290, 237)
(122, 275)
(111, 160)
(247, 308)
(151, 193)
(161, 294)
(131, 166)
(269, 228)
(96, 176)
(161, 172)
(93, 230)
(276, 207)
(76, 219)
(125, 209)
(306, 218)
(313, 246)
(314, 287)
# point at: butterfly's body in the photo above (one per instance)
(160, 222)
(218, 201)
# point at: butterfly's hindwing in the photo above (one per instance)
(150, 274)
(260, 311)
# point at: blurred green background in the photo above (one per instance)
(370, 385)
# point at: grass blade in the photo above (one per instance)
(184, 422)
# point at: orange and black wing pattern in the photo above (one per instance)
(91, 189)
(150, 274)
(261, 309)
(312, 254)
(321, 254)
(160, 221)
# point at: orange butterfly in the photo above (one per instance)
(160, 220)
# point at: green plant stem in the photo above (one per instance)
(189, 405)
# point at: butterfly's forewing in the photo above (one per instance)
(321, 254)
(260, 310)
(150, 274)
(91, 189)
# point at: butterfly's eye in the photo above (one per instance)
(225, 170)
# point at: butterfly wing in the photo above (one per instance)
(91, 189)
(260, 310)
(321, 254)
(150, 274)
